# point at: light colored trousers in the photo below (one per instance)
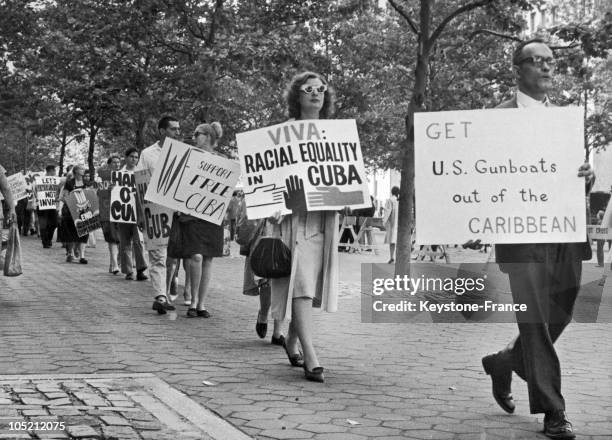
(157, 270)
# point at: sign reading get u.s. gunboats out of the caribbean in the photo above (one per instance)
(500, 175)
(317, 161)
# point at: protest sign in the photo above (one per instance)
(603, 231)
(193, 181)
(598, 232)
(123, 197)
(157, 219)
(46, 189)
(18, 185)
(104, 194)
(83, 206)
(501, 175)
(30, 179)
(322, 156)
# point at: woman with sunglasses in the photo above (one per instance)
(195, 239)
(313, 240)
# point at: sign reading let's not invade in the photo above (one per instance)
(193, 181)
(324, 155)
(501, 175)
(46, 189)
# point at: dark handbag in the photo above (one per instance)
(12, 262)
(270, 258)
(175, 240)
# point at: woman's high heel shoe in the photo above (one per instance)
(296, 360)
(314, 375)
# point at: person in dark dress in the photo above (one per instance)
(198, 240)
(68, 233)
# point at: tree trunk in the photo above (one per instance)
(62, 151)
(585, 117)
(406, 202)
(26, 151)
(93, 131)
(139, 132)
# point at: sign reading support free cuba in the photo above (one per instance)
(312, 164)
(193, 181)
(500, 175)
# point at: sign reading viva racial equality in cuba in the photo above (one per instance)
(157, 219)
(46, 190)
(123, 197)
(193, 181)
(500, 175)
(18, 186)
(317, 162)
(83, 206)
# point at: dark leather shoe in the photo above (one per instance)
(261, 328)
(501, 378)
(203, 314)
(296, 360)
(278, 341)
(140, 276)
(162, 306)
(557, 426)
(314, 375)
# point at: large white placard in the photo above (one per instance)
(18, 185)
(193, 181)
(323, 155)
(157, 219)
(123, 197)
(500, 175)
(46, 190)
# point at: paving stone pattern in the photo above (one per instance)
(383, 381)
(79, 408)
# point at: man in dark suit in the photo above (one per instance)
(544, 276)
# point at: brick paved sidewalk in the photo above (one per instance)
(419, 381)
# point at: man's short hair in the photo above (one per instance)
(130, 151)
(164, 122)
(50, 168)
(111, 158)
(518, 51)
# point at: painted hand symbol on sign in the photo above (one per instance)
(295, 198)
(332, 196)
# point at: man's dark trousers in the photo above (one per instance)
(548, 286)
(47, 221)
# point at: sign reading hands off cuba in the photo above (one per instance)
(501, 176)
(193, 181)
(312, 165)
